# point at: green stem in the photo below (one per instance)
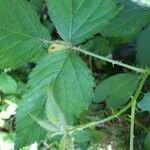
(109, 60)
(133, 107)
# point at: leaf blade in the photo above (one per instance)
(74, 23)
(7, 84)
(116, 90)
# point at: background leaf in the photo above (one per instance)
(128, 22)
(7, 84)
(143, 48)
(116, 90)
(144, 104)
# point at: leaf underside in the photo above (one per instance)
(73, 92)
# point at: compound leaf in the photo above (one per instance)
(116, 90)
(20, 33)
(77, 20)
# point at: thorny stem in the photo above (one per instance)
(133, 106)
(114, 62)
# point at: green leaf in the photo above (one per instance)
(20, 34)
(143, 48)
(7, 84)
(77, 20)
(144, 104)
(72, 91)
(27, 129)
(128, 22)
(73, 81)
(147, 142)
(116, 90)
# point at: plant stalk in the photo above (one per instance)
(133, 106)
